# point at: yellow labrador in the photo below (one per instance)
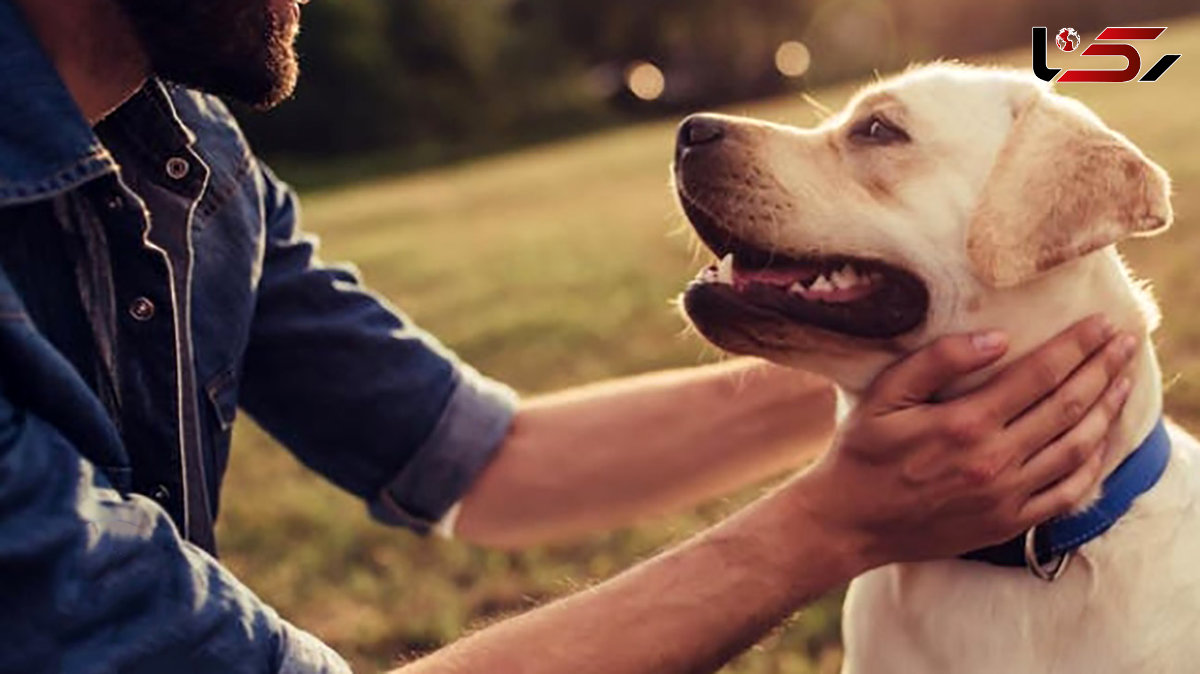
(951, 199)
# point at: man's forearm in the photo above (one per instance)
(602, 455)
(689, 610)
(872, 499)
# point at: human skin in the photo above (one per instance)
(905, 479)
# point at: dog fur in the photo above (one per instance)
(1006, 203)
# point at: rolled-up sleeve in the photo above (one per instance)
(355, 390)
(95, 581)
(302, 653)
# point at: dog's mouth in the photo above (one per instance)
(846, 294)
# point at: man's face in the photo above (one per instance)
(240, 48)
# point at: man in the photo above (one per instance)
(153, 278)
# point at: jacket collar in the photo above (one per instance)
(46, 145)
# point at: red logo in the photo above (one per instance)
(1067, 39)
(1110, 42)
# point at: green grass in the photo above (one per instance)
(555, 266)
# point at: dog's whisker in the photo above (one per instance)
(697, 249)
(823, 111)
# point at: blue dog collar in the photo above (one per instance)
(1052, 543)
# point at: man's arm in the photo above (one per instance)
(689, 610)
(92, 580)
(899, 485)
(603, 455)
(354, 389)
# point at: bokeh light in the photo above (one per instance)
(645, 80)
(793, 58)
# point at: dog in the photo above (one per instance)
(952, 199)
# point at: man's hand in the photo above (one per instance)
(906, 480)
(909, 479)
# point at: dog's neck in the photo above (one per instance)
(1142, 410)
(1100, 284)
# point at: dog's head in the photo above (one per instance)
(949, 198)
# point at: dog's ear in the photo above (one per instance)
(1063, 185)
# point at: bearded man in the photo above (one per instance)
(154, 278)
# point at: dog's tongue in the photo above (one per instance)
(812, 282)
(777, 276)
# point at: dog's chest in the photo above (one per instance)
(1130, 602)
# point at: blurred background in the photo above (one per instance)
(406, 84)
(498, 169)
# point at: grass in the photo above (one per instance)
(555, 266)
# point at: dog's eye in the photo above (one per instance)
(877, 131)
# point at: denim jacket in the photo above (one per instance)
(154, 279)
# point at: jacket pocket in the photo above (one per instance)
(222, 394)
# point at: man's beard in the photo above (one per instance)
(238, 48)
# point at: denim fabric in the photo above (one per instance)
(153, 279)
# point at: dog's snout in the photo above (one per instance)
(700, 130)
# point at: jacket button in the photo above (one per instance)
(161, 493)
(177, 168)
(114, 203)
(141, 309)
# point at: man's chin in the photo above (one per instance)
(235, 48)
(274, 88)
(261, 91)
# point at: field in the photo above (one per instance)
(555, 266)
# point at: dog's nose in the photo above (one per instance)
(700, 130)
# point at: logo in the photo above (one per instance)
(1067, 39)
(1112, 41)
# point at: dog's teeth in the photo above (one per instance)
(850, 276)
(709, 275)
(796, 288)
(725, 270)
(843, 280)
(821, 283)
